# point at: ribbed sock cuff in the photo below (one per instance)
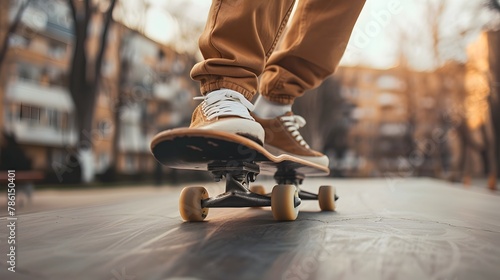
(269, 110)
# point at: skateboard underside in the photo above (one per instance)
(197, 152)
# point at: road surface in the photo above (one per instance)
(383, 229)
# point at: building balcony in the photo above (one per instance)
(49, 21)
(32, 93)
(27, 132)
(388, 100)
(35, 57)
(393, 129)
(389, 82)
(59, 31)
(39, 115)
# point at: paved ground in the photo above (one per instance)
(383, 229)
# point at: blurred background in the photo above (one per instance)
(85, 85)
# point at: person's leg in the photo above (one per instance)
(238, 39)
(311, 48)
(309, 52)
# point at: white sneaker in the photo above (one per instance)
(227, 110)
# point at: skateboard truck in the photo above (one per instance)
(287, 176)
(237, 175)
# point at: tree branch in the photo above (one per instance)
(88, 12)
(73, 11)
(79, 58)
(495, 4)
(102, 47)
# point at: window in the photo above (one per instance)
(57, 50)
(35, 114)
(389, 82)
(28, 72)
(16, 40)
(30, 114)
(44, 75)
(56, 76)
(54, 118)
(23, 72)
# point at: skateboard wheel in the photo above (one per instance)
(326, 198)
(283, 202)
(190, 204)
(258, 189)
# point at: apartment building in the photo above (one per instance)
(401, 119)
(145, 88)
(35, 101)
(156, 93)
(376, 138)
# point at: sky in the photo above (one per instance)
(376, 39)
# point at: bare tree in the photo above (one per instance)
(485, 145)
(494, 4)
(85, 71)
(494, 98)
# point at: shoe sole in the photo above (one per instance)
(322, 161)
(243, 127)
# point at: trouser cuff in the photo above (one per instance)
(221, 83)
(280, 98)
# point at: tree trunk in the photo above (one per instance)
(494, 98)
(84, 84)
(117, 111)
(489, 153)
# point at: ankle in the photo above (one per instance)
(269, 110)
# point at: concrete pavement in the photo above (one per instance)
(383, 229)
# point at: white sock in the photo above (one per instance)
(269, 110)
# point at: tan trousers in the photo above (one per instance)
(240, 37)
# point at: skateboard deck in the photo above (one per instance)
(195, 149)
(238, 160)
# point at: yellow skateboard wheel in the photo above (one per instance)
(283, 203)
(190, 204)
(326, 198)
(258, 189)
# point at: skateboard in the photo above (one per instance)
(238, 160)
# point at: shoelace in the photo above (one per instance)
(225, 103)
(293, 123)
